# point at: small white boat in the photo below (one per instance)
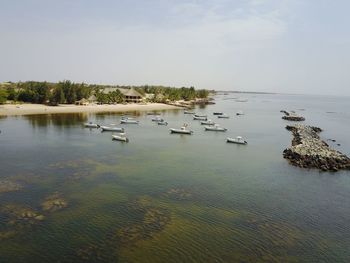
(208, 122)
(127, 118)
(200, 118)
(157, 119)
(189, 112)
(216, 127)
(182, 130)
(162, 123)
(198, 115)
(120, 137)
(223, 116)
(129, 121)
(239, 113)
(112, 129)
(91, 125)
(237, 140)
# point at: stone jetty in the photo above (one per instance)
(309, 151)
(292, 116)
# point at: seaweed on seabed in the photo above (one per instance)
(54, 202)
(178, 194)
(17, 218)
(9, 186)
(153, 221)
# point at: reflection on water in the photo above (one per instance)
(57, 120)
(69, 194)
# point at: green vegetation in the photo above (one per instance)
(70, 92)
(3, 96)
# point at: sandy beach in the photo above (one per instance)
(29, 109)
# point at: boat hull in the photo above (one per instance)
(215, 129)
(119, 138)
(91, 125)
(112, 129)
(207, 123)
(230, 140)
(129, 122)
(162, 123)
(181, 131)
(200, 118)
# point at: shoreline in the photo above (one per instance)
(34, 109)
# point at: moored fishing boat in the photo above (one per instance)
(218, 113)
(239, 113)
(200, 118)
(127, 118)
(189, 112)
(120, 137)
(91, 125)
(157, 119)
(208, 122)
(129, 121)
(237, 140)
(223, 116)
(201, 115)
(182, 130)
(216, 127)
(162, 123)
(112, 129)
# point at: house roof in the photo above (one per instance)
(124, 91)
(132, 92)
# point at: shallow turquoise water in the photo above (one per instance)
(172, 198)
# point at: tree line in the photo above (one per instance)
(67, 92)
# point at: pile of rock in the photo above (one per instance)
(292, 116)
(309, 151)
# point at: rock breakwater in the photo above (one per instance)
(292, 116)
(309, 151)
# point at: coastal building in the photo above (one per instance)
(130, 95)
(92, 99)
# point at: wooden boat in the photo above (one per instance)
(237, 140)
(120, 137)
(162, 123)
(182, 130)
(128, 121)
(112, 129)
(216, 127)
(91, 125)
(218, 113)
(223, 116)
(199, 118)
(208, 122)
(127, 118)
(157, 119)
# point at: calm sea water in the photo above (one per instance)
(71, 194)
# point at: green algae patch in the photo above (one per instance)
(17, 219)
(9, 186)
(54, 203)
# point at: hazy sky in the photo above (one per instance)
(293, 46)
